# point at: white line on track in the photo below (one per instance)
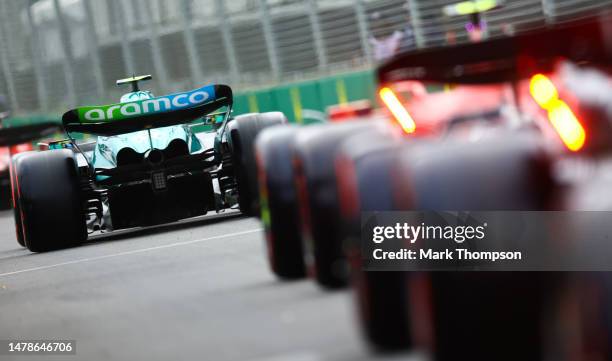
(135, 251)
(295, 356)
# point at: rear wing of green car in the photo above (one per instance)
(164, 111)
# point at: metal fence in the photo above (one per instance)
(55, 54)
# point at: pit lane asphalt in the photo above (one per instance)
(198, 290)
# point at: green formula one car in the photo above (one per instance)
(147, 166)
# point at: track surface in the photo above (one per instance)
(199, 290)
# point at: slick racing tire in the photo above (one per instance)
(15, 199)
(506, 172)
(242, 133)
(364, 175)
(481, 315)
(278, 201)
(314, 156)
(49, 200)
(591, 292)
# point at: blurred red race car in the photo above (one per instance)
(505, 136)
(5, 159)
(529, 129)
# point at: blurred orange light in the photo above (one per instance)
(560, 114)
(397, 109)
(567, 125)
(543, 90)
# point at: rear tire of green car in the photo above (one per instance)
(50, 201)
(15, 199)
(242, 133)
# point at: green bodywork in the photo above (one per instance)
(136, 104)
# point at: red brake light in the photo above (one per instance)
(567, 125)
(543, 90)
(560, 115)
(398, 110)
